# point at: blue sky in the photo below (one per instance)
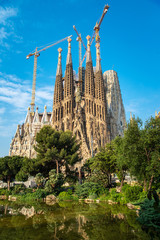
(130, 44)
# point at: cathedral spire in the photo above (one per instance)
(36, 116)
(69, 57)
(89, 74)
(58, 89)
(44, 117)
(68, 82)
(99, 81)
(88, 57)
(18, 131)
(98, 59)
(59, 66)
(68, 103)
(28, 117)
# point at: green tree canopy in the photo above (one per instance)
(142, 150)
(104, 161)
(121, 159)
(9, 168)
(56, 149)
(28, 168)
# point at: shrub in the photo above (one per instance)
(132, 193)
(4, 191)
(37, 195)
(125, 187)
(114, 195)
(67, 196)
(88, 188)
(20, 188)
(54, 183)
(39, 180)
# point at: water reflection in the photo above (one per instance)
(68, 220)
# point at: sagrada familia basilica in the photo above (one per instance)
(91, 107)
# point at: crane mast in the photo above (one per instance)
(34, 81)
(36, 54)
(79, 39)
(80, 51)
(97, 28)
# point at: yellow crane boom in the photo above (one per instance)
(97, 28)
(36, 54)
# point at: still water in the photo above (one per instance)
(68, 221)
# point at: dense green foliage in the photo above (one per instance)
(104, 162)
(56, 149)
(39, 179)
(88, 188)
(132, 193)
(142, 150)
(63, 196)
(149, 217)
(9, 168)
(54, 182)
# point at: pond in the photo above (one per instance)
(68, 221)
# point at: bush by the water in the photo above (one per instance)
(67, 196)
(132, 193)
(36, 195)
(20, 188)
(88, 188)
(114, 195)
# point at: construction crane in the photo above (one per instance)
(97, 28)
(80, 82)
(36, 54)
(79, 39)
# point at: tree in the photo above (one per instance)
(105, 162)
(151, 138)
(56, 149)
(121, 159)
(9, 168)
(54, 182)
(142, 149)
(28, 168)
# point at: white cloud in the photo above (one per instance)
(17, 93)
(7, 26)
(3, 34)
(6, 13)
(11, 77)
(45, 93)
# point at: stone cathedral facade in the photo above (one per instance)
(90, 106)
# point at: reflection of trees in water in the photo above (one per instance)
(63, 223)
(68, 220)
